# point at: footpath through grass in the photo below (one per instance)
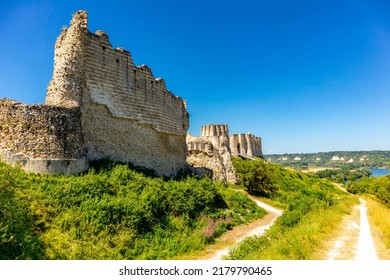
(313, 210)
(376, 192)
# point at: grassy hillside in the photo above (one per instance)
(116, 212)
(377, 186)
(113, 212)
(313, 209)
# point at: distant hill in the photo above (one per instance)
(348, 159)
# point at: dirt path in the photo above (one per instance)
(354, 241)
(236, 235)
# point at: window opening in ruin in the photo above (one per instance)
(238, 148)
(117, 61)
(104, 48)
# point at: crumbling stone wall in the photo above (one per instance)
(126, 113)
(211, 150)
(87, 69)
(126, 140)
(33, 134)
(214, 147)
(67, 86)
(98, 105)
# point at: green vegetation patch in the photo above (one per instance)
(377, 186)
(113, 212)
(313, 209)
(342, 175)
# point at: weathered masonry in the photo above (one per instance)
(98, 105)
(211, 150)
(41, 138)
(214, 147)
(246, 145)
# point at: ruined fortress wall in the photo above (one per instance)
(88, 69)
(211, 150)
(40, 137)
(131, 92)
(126, 114)
(245, 145)
(67, 85)
(125, 140)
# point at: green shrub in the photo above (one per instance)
(113, 212)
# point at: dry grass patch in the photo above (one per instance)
(379, 218)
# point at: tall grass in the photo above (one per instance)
(113, 212)
(301, 241)
(314, 208)
(379, 216)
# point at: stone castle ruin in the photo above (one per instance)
(214, 147)
(99, 104)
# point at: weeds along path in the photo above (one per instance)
(355, 240)
(236, 235)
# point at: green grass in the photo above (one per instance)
(116, 212)
(379, 217)
(113, 212)
(313, 210)
(377, 191)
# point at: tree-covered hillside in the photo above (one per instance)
(345, 159)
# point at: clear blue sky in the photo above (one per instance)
(306, 76)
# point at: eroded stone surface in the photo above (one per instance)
(98, 105)
(214, 147)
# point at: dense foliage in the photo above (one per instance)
(255, 176)
(113, 213)
(312, 209)
(342, 175)
(377, 186)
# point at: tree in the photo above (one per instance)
(255, 175)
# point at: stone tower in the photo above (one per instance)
(214, 147)
(211, 151)
(68, 84)
(246, 145)
(214, 130)
(99, 104)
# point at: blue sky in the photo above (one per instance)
(306, 76)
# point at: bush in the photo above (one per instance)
(112, 212)
(377, 186)
(256, 176)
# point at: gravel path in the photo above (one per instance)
(257, 228)
(355, 240)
